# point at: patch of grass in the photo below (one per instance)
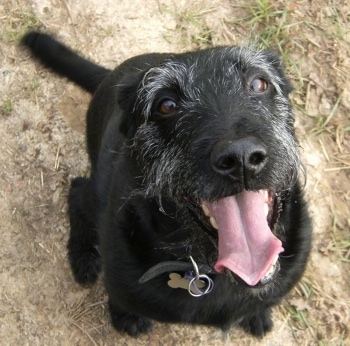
(20, 23)
(267, 23)
(271, 24)
(342, 247)
(35, 84)
(309, 296)
(195, 33)
(299, 317)
(305, 288)
(298, 307)
(106, 31)
(340, 243)
(338, 24)
(322, 123)
(6, 107)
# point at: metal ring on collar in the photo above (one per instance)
(195, 291)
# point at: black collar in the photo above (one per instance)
(173, 266)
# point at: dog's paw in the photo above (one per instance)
(85, 266)
(128, 323)
(258, 325)
(83, 254)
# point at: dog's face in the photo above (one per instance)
(214, 133)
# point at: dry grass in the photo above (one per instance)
(191, 31)
(19, 23)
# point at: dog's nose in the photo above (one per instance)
(240, 158)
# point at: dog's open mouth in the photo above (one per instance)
(246, 243)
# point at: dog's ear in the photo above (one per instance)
(127, 100)
(274, 59)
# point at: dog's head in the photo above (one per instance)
(213, 131)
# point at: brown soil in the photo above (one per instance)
(42, 148)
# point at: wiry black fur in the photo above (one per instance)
(150, 172)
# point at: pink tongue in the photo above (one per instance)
(247, 246)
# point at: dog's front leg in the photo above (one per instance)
(83, 253)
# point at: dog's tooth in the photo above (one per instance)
(266, 196)
(271, 271)
(272, 267)
(206, 210)
(266, 209)
(268, 275)
(214, 223)
(275, 260)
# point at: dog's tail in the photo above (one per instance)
(64, 61)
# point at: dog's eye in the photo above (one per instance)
(258, 85)
(167, 107)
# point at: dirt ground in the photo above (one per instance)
(42, 148)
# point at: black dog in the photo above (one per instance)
(193, 207)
